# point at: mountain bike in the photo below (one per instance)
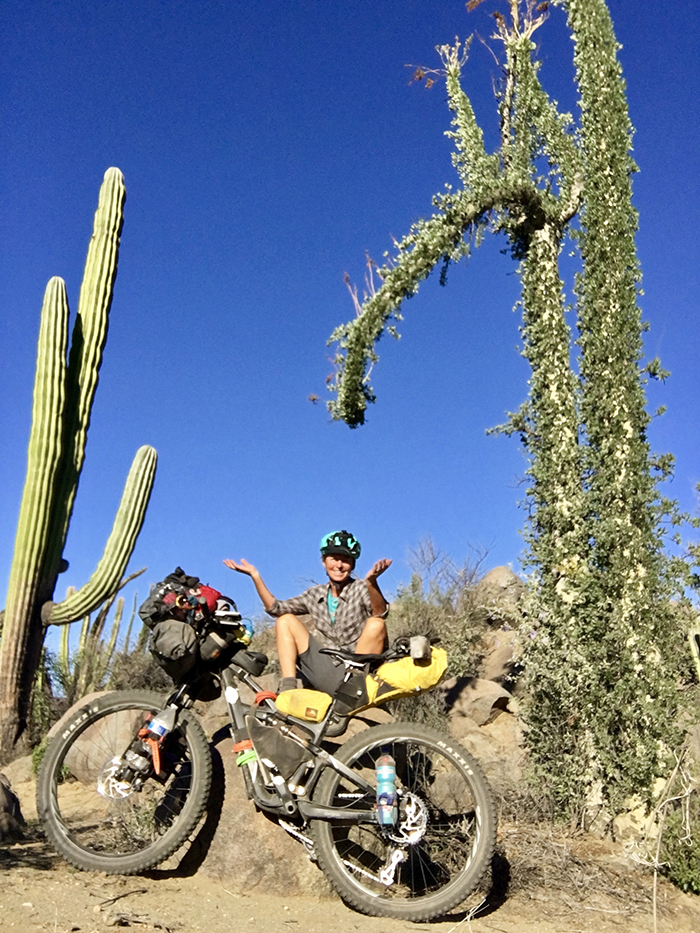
(125, 783)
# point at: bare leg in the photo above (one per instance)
(373, 639)
(292, 640)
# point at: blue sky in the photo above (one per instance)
(265, 147)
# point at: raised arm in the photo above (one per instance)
(250, 571)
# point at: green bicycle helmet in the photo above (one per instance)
(340, 542)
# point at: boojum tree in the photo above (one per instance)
(600, 693)
(63, 394)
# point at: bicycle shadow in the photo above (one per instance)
(496, 894)
(198, 847)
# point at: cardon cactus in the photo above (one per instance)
(63, 396)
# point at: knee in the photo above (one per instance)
(284, 622)
(375, 626)
(375, 634)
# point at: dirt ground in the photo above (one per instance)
(541, 885)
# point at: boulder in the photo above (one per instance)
(20, 771)
(498, 747)
(250, 852)
(20, 774)
(501, 653)
(478, 700)
(497, 595)
(11, 819)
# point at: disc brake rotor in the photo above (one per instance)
(109, 785)
(413, 821)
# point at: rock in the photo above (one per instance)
(11, 819)
(374, 716)
(501, 654)
(497, 746)
(479, 700)
(498, 594)
(20, 774)
(635, 825)
(19, 771)
(250, 852)
(483, 716)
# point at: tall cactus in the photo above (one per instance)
(63, 397)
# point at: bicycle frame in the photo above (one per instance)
(273, 794)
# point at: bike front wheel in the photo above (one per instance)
(102, 816)
(435, 855)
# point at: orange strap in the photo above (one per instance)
(154, 745)
(264, 695)
(243, 745)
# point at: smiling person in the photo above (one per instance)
(348, 613)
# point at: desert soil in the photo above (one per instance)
(590, 888)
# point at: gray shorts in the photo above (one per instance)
(320, 671)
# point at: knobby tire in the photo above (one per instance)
(123, 835)
(449, 860)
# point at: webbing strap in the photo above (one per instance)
(243, 745)
(154, 745)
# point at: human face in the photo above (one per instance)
(338, 567)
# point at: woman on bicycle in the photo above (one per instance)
(347, 612)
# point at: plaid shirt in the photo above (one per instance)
(353, 610)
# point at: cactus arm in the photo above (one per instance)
(96, 296)
(87, 343)
(43, 458)
(105, 653)
(84, 632)
(120, 544)
(127, 637)
(63, 664)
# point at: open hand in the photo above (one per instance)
(243, 567)
(378, 569)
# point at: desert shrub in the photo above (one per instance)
(439, 602)
(41, 704)
(680, 845)
(99, 663)
(679, 851)
(137, 670)
(265, 640)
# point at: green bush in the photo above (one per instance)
(680, 845)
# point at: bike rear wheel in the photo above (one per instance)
(99, 823)
(445, 834)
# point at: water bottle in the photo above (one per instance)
(162, 723)
(387, 809)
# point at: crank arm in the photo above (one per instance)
(312, 811)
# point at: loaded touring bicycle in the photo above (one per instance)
(400, 818)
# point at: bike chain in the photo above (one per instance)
(304, 840)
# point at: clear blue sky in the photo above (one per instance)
(266, 146)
